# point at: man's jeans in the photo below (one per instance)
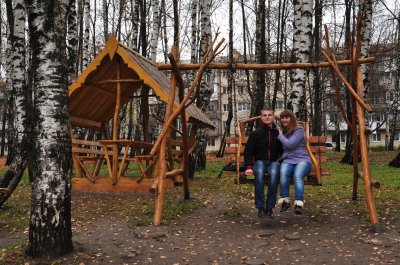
(299, 171)
(259, 169)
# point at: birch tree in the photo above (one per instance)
(199, 154)
(105, 19)
(18, 83)
(154, 5)
(86, 34)
(72, 37)
(50, 216)
(302, 36)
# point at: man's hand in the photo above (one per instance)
(248, 172)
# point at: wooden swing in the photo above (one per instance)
(356, 90)
(315, 146)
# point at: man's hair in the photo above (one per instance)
(267, 109)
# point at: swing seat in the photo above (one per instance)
(315, 145)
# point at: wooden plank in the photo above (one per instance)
(124, 185)
(235, 140)
(84, 122)
(79, 150)
(174, 142)
(317, 139)
(318, 149)
(233, 150)
(86, 142)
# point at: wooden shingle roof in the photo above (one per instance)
(93, 93)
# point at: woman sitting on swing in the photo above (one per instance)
(295, 160)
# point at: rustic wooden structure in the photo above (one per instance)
(315, 146)
(96, 98)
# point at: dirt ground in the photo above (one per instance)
(211, 236)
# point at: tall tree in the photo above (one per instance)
(50, 231)
(258, 94)
(302, 36)
(72, 38)
(18, 75)
(199, 154)
(230, 88)
(316, 88)
(86, 34)
(105, 19)
(154, 5)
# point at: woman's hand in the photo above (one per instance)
(248, 172)
(280, 130)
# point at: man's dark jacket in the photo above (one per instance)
(263, 144)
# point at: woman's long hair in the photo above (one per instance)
(291, 127)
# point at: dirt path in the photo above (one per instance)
(210, 236)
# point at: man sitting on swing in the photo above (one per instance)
(262, 151)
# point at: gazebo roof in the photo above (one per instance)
(93, 94)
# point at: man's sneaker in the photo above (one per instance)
(298, 207)
(261, 212)
(270, 212)
(285, 206)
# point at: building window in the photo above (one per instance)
(243, 106)
(279, 104)
(211, 142)
(223, 125)
(342, 138)
(225, 90)
(225, 106)
(376, 137)
(397, 136)
(241, 89)
(153, 109)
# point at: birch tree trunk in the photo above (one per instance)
(302, 37)
(317, 84)
(105, 19)
(72, 46)
(366, 27)
(230, 88)
(50, 217)
(135, 24)
(205, 85)
(154, 5)
(258, 93)
(86, 34)
(21, 115)
(9, 88)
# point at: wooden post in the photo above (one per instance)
(162, 160)
(115, 129)
(364, 159)
(185, 155)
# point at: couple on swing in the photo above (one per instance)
(281, 152)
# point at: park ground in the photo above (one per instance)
(219, 225)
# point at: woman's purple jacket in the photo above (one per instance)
(294, 147)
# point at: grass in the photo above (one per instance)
(335, 192)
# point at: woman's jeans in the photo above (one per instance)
(259, 169)
(299, 171)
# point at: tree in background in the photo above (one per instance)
(302, 39)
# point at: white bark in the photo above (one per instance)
(205, 21)
(18, 67)
(50, 220)
(135, 24)
(105, 19)
(86, 34)
(72, 46)
(366, 8)
(193, 51)
(302, 37)
(154, 5)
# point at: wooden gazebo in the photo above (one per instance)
(96, 97)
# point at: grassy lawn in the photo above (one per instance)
(336, 191)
